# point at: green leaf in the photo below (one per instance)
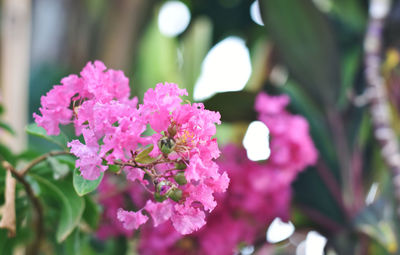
(61, 140)
(196, 43)
(306, 43)
(351, 12)
(158, 58)
(7, 128)
(310, 191)
(233, 106)
(83, 186)
(146, 160)
(144, 153)
(72, 205)
(376, 221)
(113, 168)
(6, 154)
(92, 213)
(73, 243)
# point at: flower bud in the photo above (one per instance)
(175, 194)
(180, 165)
(172, 130)
(163, 186)
(180, 178)
(159, 198)
(166, 145)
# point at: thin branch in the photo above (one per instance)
(36, 205)
(40, 159)
(8, 217)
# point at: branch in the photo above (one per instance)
(379, 106)
(36, 204)
(8, 218)
(40, 159)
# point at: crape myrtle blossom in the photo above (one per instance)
(175, 164)
(258, 191)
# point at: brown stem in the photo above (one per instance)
(36, 205)
(134, 164)
(40, 159)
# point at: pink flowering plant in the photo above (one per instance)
(165, 144)
(258, 192)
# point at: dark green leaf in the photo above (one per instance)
(306, 43)
(72, 244)
(7, 128)
(61, 140)
(72, 205)
(233, 106)
(310, 191)
(92, 213)
(83, 186)
(6, 154)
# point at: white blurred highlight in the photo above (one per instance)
(226, 67)
(173, 19)
(256, 141)
(313, 245)
(255, 13)
(279, 230)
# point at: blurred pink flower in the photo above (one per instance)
(258, 191)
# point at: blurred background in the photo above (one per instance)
(223, 54)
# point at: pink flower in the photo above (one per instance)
(131, 220)
(291, 145)
(89, 161)
(178, 169)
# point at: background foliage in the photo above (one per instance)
(316, 46)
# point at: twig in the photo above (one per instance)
(379, 106)
(36, 204)
(40, 159)
(8, 218)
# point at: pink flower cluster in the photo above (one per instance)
(292, 148)
(175, 163)
(258, 191)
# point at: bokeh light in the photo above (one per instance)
(255, 13)
(173, 19)
(227, 67)
(256, 141)
(279, 230)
